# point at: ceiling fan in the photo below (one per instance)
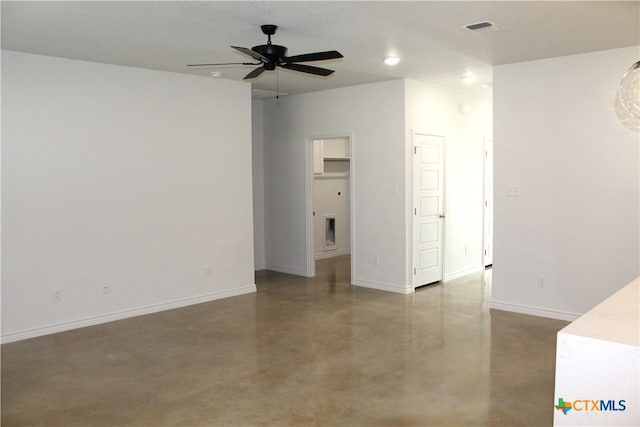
(271, 56)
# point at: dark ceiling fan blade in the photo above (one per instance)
(251, 53)
(316, 56)
(224, 63)
(308, 69)
(255, 73)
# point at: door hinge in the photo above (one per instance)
(485, 251)
(415, 211)
(415, 150)
(414, 271)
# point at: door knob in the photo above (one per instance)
(442, 216)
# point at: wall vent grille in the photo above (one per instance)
(482, 27)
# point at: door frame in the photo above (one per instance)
(487, 152)
(308, 152)
(414, 206)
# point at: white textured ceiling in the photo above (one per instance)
(427, 35)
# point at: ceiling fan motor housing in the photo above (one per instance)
(274, 53)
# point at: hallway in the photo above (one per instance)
(299, 352)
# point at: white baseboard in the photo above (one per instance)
(286, 270)
(61, 327)
(331, 254)
(464, 272)
(261, 266)
(534, 311)
(382, 286)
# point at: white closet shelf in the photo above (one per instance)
(332, 175)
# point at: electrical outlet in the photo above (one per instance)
(541, 281)
(207, 272)
(105, 288)
(57, 295)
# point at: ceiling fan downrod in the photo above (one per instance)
(269, 30)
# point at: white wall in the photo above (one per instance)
(112, 174)
(436, 110)
(374, 115)
(257, 161)
(558, 138)
(331, 197)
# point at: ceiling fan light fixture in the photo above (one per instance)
(391, 60)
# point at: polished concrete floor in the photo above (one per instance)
(300, 352)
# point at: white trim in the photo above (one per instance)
(331, 254)
(261, 266)
(383, 287)
(61, 327)
(308, 202)
(352, 202)
(286, 270)
(533, 311)
(486, 150)
(462, 273)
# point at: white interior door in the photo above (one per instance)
(488, 203)
(428, 203)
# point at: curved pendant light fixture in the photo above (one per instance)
(629, 90)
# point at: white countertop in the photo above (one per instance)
(616, 319)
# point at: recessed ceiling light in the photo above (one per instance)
(391, 60)
(468, 78)
(216, 74)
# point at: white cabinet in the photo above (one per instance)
(331, 156)
(318, 158)
(335, 148)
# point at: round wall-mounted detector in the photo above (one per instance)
(391, 60)
(216, 74)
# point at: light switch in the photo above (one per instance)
(513, 191)
(394, 189)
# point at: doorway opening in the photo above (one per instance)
(329, 201)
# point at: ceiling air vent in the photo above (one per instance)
(482, 27)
